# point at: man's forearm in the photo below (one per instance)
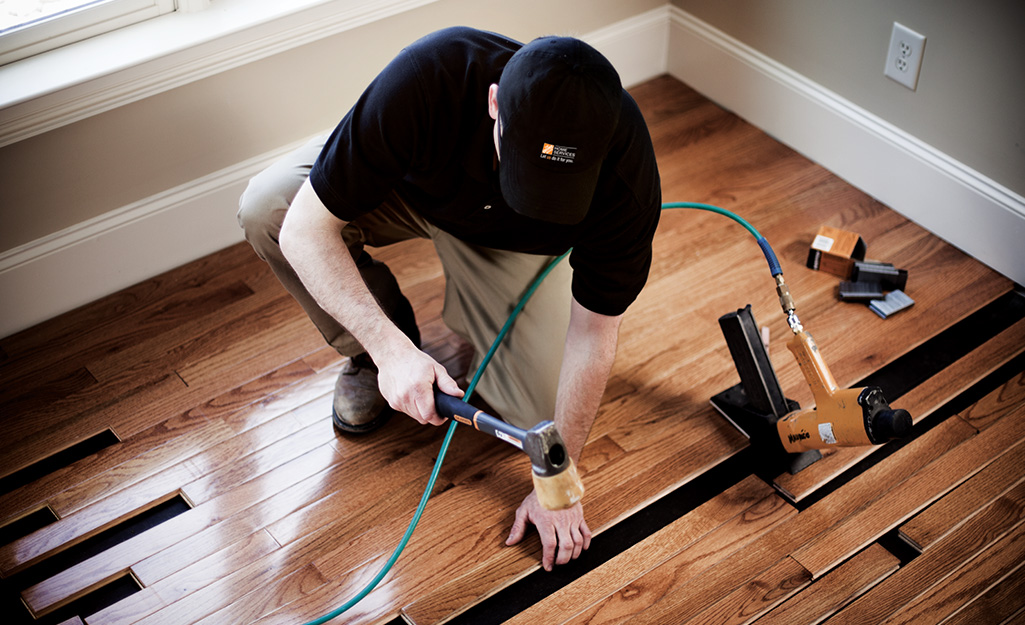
(310, 241)
(587, 360)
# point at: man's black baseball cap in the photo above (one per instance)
(559, 102)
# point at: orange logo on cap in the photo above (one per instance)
(547, 148)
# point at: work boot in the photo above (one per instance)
(358, 405)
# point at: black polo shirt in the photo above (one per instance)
(422, 128)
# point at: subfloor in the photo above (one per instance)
(168, 455)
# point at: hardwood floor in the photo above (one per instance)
(219, 492)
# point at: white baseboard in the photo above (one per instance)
(80, 264)
(955, 202)
(103, 255)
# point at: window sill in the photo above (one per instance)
(59, 87)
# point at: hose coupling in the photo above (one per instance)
(786, 301)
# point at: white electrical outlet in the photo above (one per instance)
(904, 58)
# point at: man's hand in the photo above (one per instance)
(407, 381)
(564, 533)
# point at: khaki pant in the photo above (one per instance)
(482, 286)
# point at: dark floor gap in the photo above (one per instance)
(59, 460)
(904, 551)
(90, 547)
(26, 525)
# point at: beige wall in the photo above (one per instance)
(63, 177)
(970, 100)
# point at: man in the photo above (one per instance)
(504, 155)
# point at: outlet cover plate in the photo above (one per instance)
(904, 58)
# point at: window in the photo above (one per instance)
(29, 27)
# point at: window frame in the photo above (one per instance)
(76, 25)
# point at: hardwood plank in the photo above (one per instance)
(140, 468)
(92, 520)
(935, 565)
(836, 589)
(190, 579)
(148, 308)
(39, 491)
(906, 499)
(266, 599)
(78, 425)
(618, 571)
(920, 402)
(737, 567)
(997, 404)
(745, 604)
(1017, 619)
(1001, 602)
(176, 544)
(1001, 561)
(980, 490)
(694, 562)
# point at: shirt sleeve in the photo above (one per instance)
(612, 260)
(373, 146)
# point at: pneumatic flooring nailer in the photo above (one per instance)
(788, 436)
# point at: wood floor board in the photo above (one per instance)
(93, 519)
(140, 468)
(697, 561)
(836, 589)
(39, 491)
(455, 595)
(70, 421)
(775, 585)
(736, 568)
(936, 564)
(284, 589)
(996, 405)
(238, 513)
(139, 310)
(998, 603)
(177, 543)
(1001, 561)
(131, 608)
(935, 522)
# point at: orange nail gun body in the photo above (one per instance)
(853, 417)
(777, 425)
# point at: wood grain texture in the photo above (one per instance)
(220, 389)
(625, 567)
(934, 566)
(836, 589)
(955, 508)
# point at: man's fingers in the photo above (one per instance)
(446, 384)
(566, 546)
(578, 541)
(519, 528)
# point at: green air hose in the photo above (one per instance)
(773, 267)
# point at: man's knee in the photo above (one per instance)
(261, 211)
